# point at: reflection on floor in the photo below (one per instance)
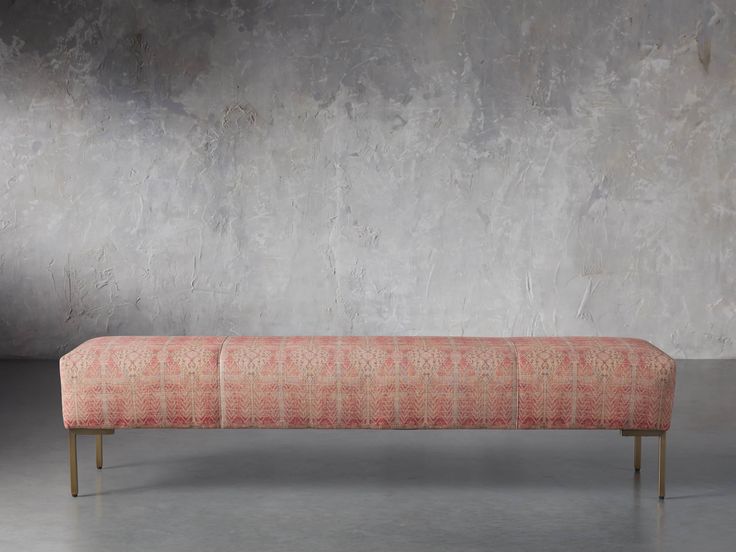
(367, 490)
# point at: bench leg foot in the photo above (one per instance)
(662, 462)
(73, 461)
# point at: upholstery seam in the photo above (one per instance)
(103, 373)
(574, 367)
(634, 379)
(161, 354)
(516, 376)
(219, 381)
(454, 358)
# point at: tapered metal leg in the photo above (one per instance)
(73, 461)
(98, 450)
(637, 452)
(662, 462)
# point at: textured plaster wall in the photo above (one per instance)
(368, 167)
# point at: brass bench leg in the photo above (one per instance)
(637, 452)
(98, 433)
(98, 450)
(662, 462)
(637, 434)
(73, 461)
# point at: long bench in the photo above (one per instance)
(112, 383)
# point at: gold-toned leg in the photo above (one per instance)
(73, 461)
(662, 462)
(637, 452)
(98, 450)
(637, 434)
(98, 433)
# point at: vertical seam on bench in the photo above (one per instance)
(516, 381)
(454, 359)
(104, 359)
(280, 360)
(338, 382)
(604, 386)
(396, 360)
(162, 382)
(220, 382)
(633, 361)
(574, 382)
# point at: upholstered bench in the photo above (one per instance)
(111, 383)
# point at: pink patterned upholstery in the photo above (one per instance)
(112, 382)
(587, 383)
(367, 382)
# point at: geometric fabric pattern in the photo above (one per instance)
(119, 382)
(368, 382)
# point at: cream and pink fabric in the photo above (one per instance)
(367, 382)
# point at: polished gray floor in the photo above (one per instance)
(321, 491)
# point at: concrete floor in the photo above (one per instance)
(392, 491)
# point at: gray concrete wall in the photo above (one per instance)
(355, 167)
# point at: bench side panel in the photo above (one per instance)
(146, 382)
(594, 383)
